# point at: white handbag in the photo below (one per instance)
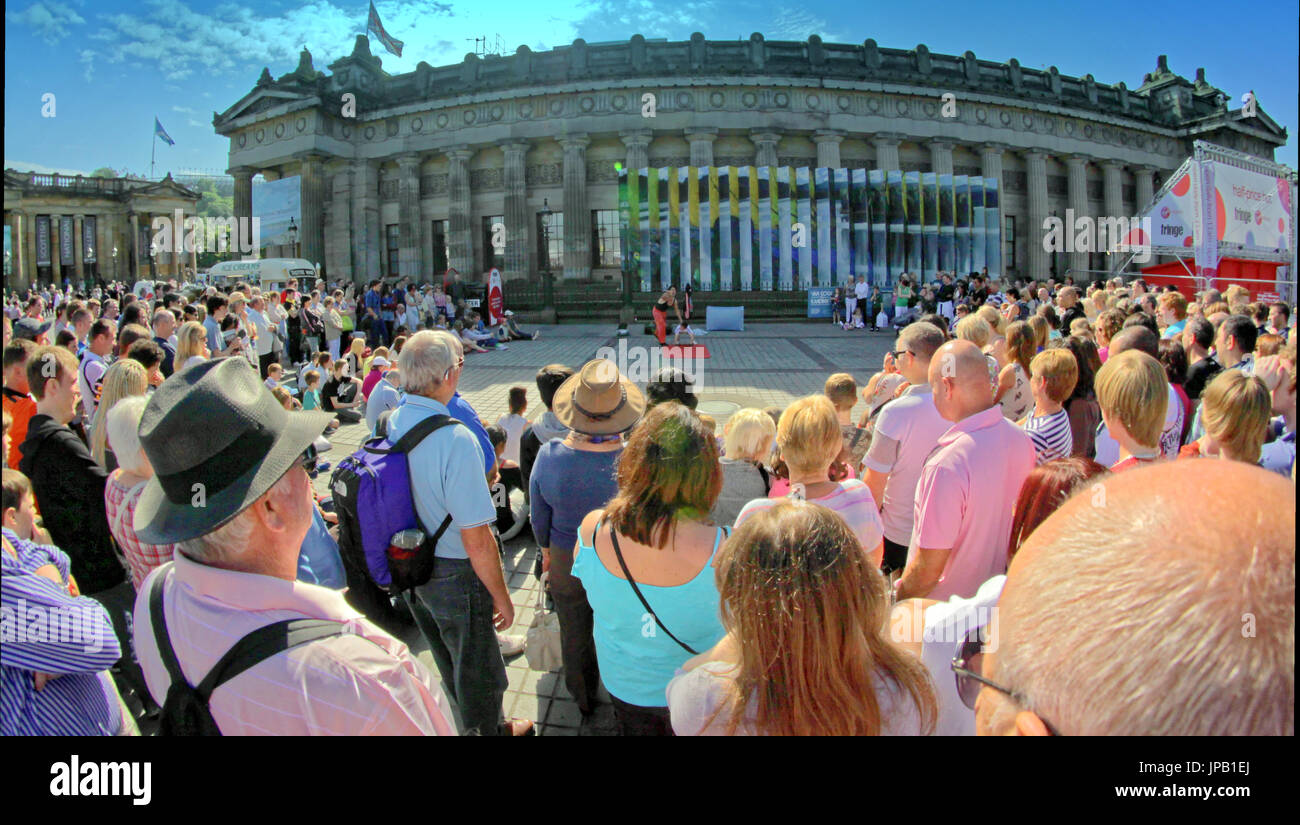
(542, 647)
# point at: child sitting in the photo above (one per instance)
(274, 373)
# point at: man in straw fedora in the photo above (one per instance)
(230, 486)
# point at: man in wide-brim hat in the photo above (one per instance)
(230, 486)
(599, 400)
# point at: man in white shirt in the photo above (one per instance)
(906, 432)
(90, 374)
(265, 337)
(861, 293)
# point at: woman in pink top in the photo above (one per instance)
(122, 491)
(810, 440)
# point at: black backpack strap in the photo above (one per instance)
(762, 471)
(261, 645)
(613, 537)
(165, 651)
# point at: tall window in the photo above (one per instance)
(391, 236)
(550, 240)
(441, 255)
(494, 242)
(1009, 242)
(606, 239)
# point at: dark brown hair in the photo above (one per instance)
(668, 470)
(1045, 489)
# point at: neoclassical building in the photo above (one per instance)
(84, 229)
(409, 174)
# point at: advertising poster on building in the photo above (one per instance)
(912, 213)
(783, 248)
(878, 212)
(9, 252)
(897, 237)
(977, 228)
(703, 257)
(819, 301)
(66, 255)
(930, 224)
(860, 216)
(961, 217)
(673, 251)
(89, 245)
(42, 240)
(947, 225)
(649, 237)
(747, 223)
(276, 203)
(992, 228)
(1255, 209)
(766, 209)
(803, 215)
(725, 228)
(495, 301)
(824, 247)
(715, 232)
(688, 220)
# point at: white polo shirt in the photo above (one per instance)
(906, 432)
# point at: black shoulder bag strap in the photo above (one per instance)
(613, 537)
(252, 649)
(762, 471)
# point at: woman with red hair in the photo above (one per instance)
(1045, 489)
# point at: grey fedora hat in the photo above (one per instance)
(217, 440)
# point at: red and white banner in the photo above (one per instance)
(496, 304)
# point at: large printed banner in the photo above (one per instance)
(276, 203)
(1252, 210)
(752, 228)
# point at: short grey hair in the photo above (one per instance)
(163, 314)
(231, 540)
(123, 429)
(1104, 637)
(425, 359)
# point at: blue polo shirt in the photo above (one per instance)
(446, 475)
(215, 341)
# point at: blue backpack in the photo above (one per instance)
(376, 481)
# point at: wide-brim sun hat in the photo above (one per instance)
(598, 400)
(217, 440)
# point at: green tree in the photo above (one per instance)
(104, 172)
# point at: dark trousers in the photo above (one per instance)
(119, 601)
(454, 612)
(377, 335)
(634, 720)
(895, 557)
(577, 642)
(264, 361)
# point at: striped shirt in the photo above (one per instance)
(1051, 435)
(363, 682)
(48, 631)
(851, 499)
(141, 558)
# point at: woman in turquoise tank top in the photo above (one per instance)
(646, 563)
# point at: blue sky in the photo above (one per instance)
(112, 66)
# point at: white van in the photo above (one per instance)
(267, 273)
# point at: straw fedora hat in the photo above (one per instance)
(598, 400)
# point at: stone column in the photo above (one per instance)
(18, 261)
(765, 147)
(311, 235)
(701, 141)
(828, 148)
(243, 207)
(519, 259)
(991, 167)
(339, 248)
(638, 149)
(1145, 189)
(460, 235)
(56, 250)
(1078, 202)
(33, 270)
(1036, 167)
(941, 157)
(79, 266)
(577, 218)
(408, 216)
(887, 151)
(1113, 189)
(133, 260)
(365, 221)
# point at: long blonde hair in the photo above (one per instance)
(127, 377)
(808, 614)
(189, 342)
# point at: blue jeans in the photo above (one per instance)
(377, 335)
(454, 612)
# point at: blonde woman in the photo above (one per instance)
(806, 650)
(1013, 392)
(355, 358)
(1042, 331)
(1235, 410)
(975, 329)
(191, 345)
(748, 438)
(126, 378)
(810, 439)
(997, 345)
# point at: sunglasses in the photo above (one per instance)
(967, 667)
(308, 459)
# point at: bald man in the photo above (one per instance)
(968, 485)
(1142, 339)
(1132, 613)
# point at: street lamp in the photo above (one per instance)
(293, 237)
(548, 282)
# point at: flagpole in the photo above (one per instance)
(153, 149)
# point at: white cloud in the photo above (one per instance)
(41, 169)
(797, 24)
(87, 57)
(50, 19)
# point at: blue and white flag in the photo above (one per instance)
(374, 25)
(159, 131)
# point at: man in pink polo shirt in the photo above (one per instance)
(969, 484)
(239, 507)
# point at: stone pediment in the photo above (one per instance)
(257, 101)
(165, 188)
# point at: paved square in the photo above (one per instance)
(765, 365)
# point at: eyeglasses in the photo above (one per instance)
(896, 353)
(966, 667)
(308, 459)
